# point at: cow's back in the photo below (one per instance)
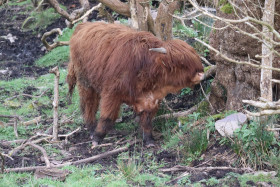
(110, 55)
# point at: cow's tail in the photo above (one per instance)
(71, 80)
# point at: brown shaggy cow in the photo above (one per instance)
(113, 64)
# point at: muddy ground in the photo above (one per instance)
(17, 61)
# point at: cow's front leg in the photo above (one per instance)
(109, 110)
(146, 117)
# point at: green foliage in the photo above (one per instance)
(194, 143)
(129, 167)
(185, 91)
(227, 8)
(16, 2)
(190, 141)
(254, 144)
(40, 19)
(184, 181)
(203, 108)
(243, 179)
(212, 181)
(181, 31)
(55, 57)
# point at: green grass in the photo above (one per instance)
(15, 2)
(30, 107)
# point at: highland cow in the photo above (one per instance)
(113, 64)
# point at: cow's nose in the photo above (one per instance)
(201, 75)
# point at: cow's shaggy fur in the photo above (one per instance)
(112, 64)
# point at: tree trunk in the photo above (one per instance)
(267, 57)
(233, 83)
(163, 22)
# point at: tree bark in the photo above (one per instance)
(234, 83)
(267, 59)
(163, 22)
(117, 6)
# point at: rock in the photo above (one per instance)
(228, 125)
(10, 37)
(6, 72)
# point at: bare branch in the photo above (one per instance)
(263, 105)
(263, 113)
(87, 13)
(55, 71)
(56, 44)
(218, 53)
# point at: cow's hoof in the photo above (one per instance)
(94, 144)
(149, 142)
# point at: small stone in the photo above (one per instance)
(228, 125)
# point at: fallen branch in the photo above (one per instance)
(86, 160)
(205, 169)
(45, 155)
(35, 120)
(8, 143)
(22, 146)
(56, 44)
(179, 114)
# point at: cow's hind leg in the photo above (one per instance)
(109, 110)
(89, 102)
(146, 117)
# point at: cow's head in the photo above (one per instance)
(186, 64)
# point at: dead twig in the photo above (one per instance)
(45, 155)
(56, 44)
(15, 127)
(35, 120)
(3, 163)
(206, 169)
(25, 143)
(86, 160)
(55, 71)
(60, 135)
(179, 114)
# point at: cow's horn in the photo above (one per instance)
(160, 50)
